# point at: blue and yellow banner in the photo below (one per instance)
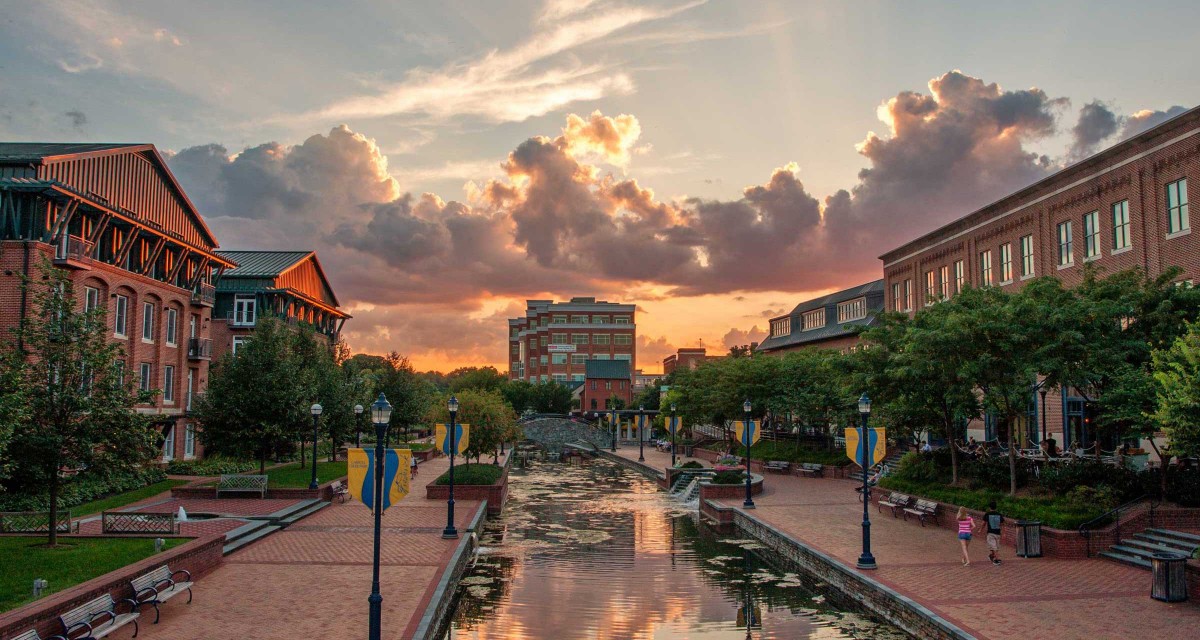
(874, 452)
(360, 480)
(747, 432)
(673, 424)
(462, 437)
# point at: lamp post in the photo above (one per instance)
(316, 414)
(358, 411)
(866, 560)
(381, 412)
(674, 428)
(749, 503)
(1043, 392)
(450, 531)
(641, 436)
(616, 429)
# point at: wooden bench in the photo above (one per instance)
(237, 483)
(781, 466)
(158, 586)
(340, 490)
(32, 634)
(98, 618)
(812, 469)
(923, 509)
(897, 501)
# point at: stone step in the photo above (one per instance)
(300, 515)
(1170, 542)
(245, 530)
(1179, 535)
(1140, 552)
(290, 510)
(245, 540)
(1131, 560)
(1152, 546)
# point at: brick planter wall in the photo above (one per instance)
(757, 465)
(495, 494)
(729, 491)
(198, 556)
(209, 492)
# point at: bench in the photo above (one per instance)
(812, 469)
(158, 586)
(897, 501)
(782, 466)
(134, 522)
(237, 483)
(32, 634)
(98, 618)
(923, 509)
(340, 490)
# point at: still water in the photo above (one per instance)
(596, 551)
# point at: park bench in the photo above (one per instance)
(812, 469)
(236, 483)
(134, 522)
(158, 586)
(98, 618)
(897, 501)
(32, 634)
(339, 490)
(923, 509)
(782, 466)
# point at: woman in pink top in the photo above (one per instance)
(966, 525)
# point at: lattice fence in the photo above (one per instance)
(127, 522)
(33, 522)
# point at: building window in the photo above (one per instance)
(238, 343)
(172, 326)
(191, 383)
(148, 321)
(930, 288)
(579, 319)
(91, 299)
(579, 338)
(907, 295)
(814, 319)
(852, 310)
(168, 383)
(189, 441)
(560, 377)
(559, 338)
(599, 319)
(578, 358)
(944, 280)
(960, 276)
(622, 339)
(600, 338)
(145, 374)
(593, 385)
(601, 356)
(608, 385)
(1177, 206)
(1091, 235)
(620, 319)
(985, 268)
(516, 348)
(542, 360)
(1026, 256)
(623, 356)
(576, 377)
(558, 320)
(1120, 218)
(897, 301)
(781, 327)
(558, 358)
(169, 443)
(192, 325)
(1065, 257)
(1006, 270)
(541, 341)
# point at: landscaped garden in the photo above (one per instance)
(121, 499)
(791, 452)
(474, 473)
(295, 476)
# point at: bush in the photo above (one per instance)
(85, 487)
(211, 466)
(473, 474)
(1183, 488)
(1102, 497)
(1063, 478)
(993, 473)
(728, 477)
(919, 467)
(691, 464)
(1055, 512)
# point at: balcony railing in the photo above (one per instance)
(71, 249)
(199, 349)
(204, 295)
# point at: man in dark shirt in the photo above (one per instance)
(992, 519)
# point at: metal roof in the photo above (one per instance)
(261, 264)
(872, 291)
(36, 151)
(835, 330)
(840, 296)
(611, 369)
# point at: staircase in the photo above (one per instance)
(1137, 551)
(892, 460)
(260, 527)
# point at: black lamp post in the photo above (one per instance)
(1043, 392)
(450, 531)
(381, 412)
(358, 411)
(616, 429)
(746, 440)
(866, 560)
(316, 414)
(674, 428)
(641, 436)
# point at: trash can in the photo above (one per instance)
(1029, 538)
(1169, 582)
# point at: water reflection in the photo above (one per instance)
(597, 552)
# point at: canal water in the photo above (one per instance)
(596, 551)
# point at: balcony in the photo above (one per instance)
(204, 295)
(72, 252)
(199, 349)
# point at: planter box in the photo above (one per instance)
(495, 494)
(209, 492)
(728, 491)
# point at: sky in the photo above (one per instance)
(714, 162)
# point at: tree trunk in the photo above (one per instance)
(262, 458)
(302, 465)
(1162, 467)
(953, 438)
(53, 505)
(1012, 462)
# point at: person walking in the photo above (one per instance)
(993, 520)
(966, 526)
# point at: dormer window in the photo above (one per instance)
(814, 319)
(781, 327)
(852, 310)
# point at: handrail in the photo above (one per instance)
(1086, 528)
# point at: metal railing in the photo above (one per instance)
(1101, 520)
(204, 294)
(72, 248)
(199, 348)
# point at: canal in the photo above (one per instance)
(596, 551)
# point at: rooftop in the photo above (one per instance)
(36, 151)
(262, 264)
(611, 369)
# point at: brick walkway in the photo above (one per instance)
(1022, 598)
(312, 579)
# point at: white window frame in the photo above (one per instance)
(814, 319)
(245, 310)
(908, 294)
(91, 299)
(579, 358)
(851, 310)
(1066, 252)
(557, 338)
(600, 320)
(121, 317)
(960, 275)
(985, 268)
(169, 384)
(172, 318)
(147, 322)
(580, 338)
(1122, 233)
(944, 281)
(145, 375)
(238, 343)
(623, 356)
(622, 339)
(558, 358)
(930, 290)
(600, 338)
(781, 327)
(897, 303)
(1178, 219)
(1091, 236)
(621, 320)
(169, 444)
(1027, 264)
(189, 441)
(1006, 270)
(191, 387)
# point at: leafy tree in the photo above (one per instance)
(519, 395)
(551, 397)
(1177, 374)
(487, 378)
(13, 405)
(491, 418)
(338, 389)
(78, 405)
(408, 392)
(650, 397)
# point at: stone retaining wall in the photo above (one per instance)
(831, 471)
(728, 491)
(496, 495)
(432, 625)
(209, 492)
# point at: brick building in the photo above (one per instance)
(555, 340)
(1124, 207)
(829, 322)
(114, 216)
(688, 358)
(604, 379)
(289, 285)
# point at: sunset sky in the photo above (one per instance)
(714, 162)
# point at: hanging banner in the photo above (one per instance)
(747, 432)
(749, 618)
(360, 477)
(673, 424)
(462, 433)
(874, 452)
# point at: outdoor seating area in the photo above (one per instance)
(158, 586)
(32, 634)
(339, 489)
(237, 483)
(98, 618)
(812, 469)
(922, 510)
(895, 501)
(778, 466)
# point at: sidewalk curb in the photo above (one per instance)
(434, 618)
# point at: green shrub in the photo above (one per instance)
(691, 464)
(1183, 487)
(993, 473)
(1062, 478)
(728, 477)
(417, 446)
(1053, 511)
(1102, 497)
(919, 467)
(85, 487)
(479, 473)
(210, 466)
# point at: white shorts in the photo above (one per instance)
(993, 541)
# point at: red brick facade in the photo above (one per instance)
(689, 358)
(595, 393)
(555, 339)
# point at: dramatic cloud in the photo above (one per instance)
(1096, 124)
(737, 337)
(1146, 119)
(651, 351)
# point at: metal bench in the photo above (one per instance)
(897, 501)
(340, 490)
(782, 466)
(923, 509)
(237, 483)
(134, 522)
(158, 586)
(812, 469)
(98, 618)
(32, 634)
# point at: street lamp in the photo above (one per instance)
(674, 427)
(641, 436)
(450, 531)
(749, 503)
(358, 411)
(616, 429)
(381, 412)
(316, 414)
(866, 560)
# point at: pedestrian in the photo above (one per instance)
(993, 520)
(966, 525)
(413, 467)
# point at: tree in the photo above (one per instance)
(408, 392)
(78, 399)
(491, 418)
(486, 378)
(650, 397)
(13, 405)
(1177, 374)
(338, 389)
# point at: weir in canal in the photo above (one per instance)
(597, 551)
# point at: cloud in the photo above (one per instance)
(651, 351)
(1096, 124)
(1147, 119)
(77, 118)
(737, 337)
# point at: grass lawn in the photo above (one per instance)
(122, 499)
(77, 560)
(292, 475)
(782, 450)
(1052, 511)
(475, 473)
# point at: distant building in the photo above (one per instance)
(643, 380)
(689, 358)
(289, 285)
(829, 322)
(604, 379)
(555, 340)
